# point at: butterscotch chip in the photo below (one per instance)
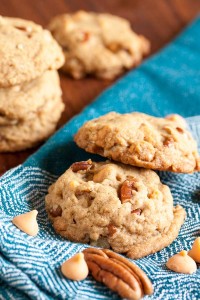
(96, 210)
(27, 222)
(195, 251)
(141, 140)
(99, 44)
(182, 263)
(75, 268)
(26, 51)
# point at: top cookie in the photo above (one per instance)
(141, 140)
(26, 51)
(99, 44)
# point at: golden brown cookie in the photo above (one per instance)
(141, 140)
(114, 206)
(29, 132)
(22, 102)
(26, 51)
(99, 44)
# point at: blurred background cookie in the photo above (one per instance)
(99, 44)
(26, 51)
(22, 102)
(29, 132)
(30, 93)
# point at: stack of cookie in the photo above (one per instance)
(30, 93)
(124, 206)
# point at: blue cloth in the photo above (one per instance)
(169, 82)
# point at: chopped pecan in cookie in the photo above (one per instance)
(126, 189)
(81, 166)
(111, 230)
(56, 211)
(137, 211)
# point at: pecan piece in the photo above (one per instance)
(145, 281)
(180, 130)
(137, 211)
(168, 142)
(81, 166)
(84, 36)
(56, 211)
(111, 230)
(126, 189)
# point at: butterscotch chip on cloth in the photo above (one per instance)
(114, 206)
(100, 44)
(27, 222)
(23, 102)
(195, 251)
(141, 140)
(26, 51)
(182, 263)
(75, 268)
(29, 132)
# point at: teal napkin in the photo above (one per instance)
(169, 82)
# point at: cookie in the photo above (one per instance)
(22, 102)
(29, 132)
(114, 206)
(26, 51)
(141, 140)
(100, 44)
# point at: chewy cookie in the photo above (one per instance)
(99, 44)
(114, 206)
(26, 51)
(29, 132)
(141, 140)
(22, 102)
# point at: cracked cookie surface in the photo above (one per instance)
(114, 206)
(26, 51)
(141, 140)
(99, 44)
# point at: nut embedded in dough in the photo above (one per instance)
(182, 263)
(114, 206)
(195, 251)
(75, 268)
(27, 222)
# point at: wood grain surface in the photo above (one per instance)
(159, 20)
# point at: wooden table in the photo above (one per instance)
(159, 20)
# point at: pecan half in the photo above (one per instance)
(126, 189)
(81, 166)
(146, 283)
(119, 274)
